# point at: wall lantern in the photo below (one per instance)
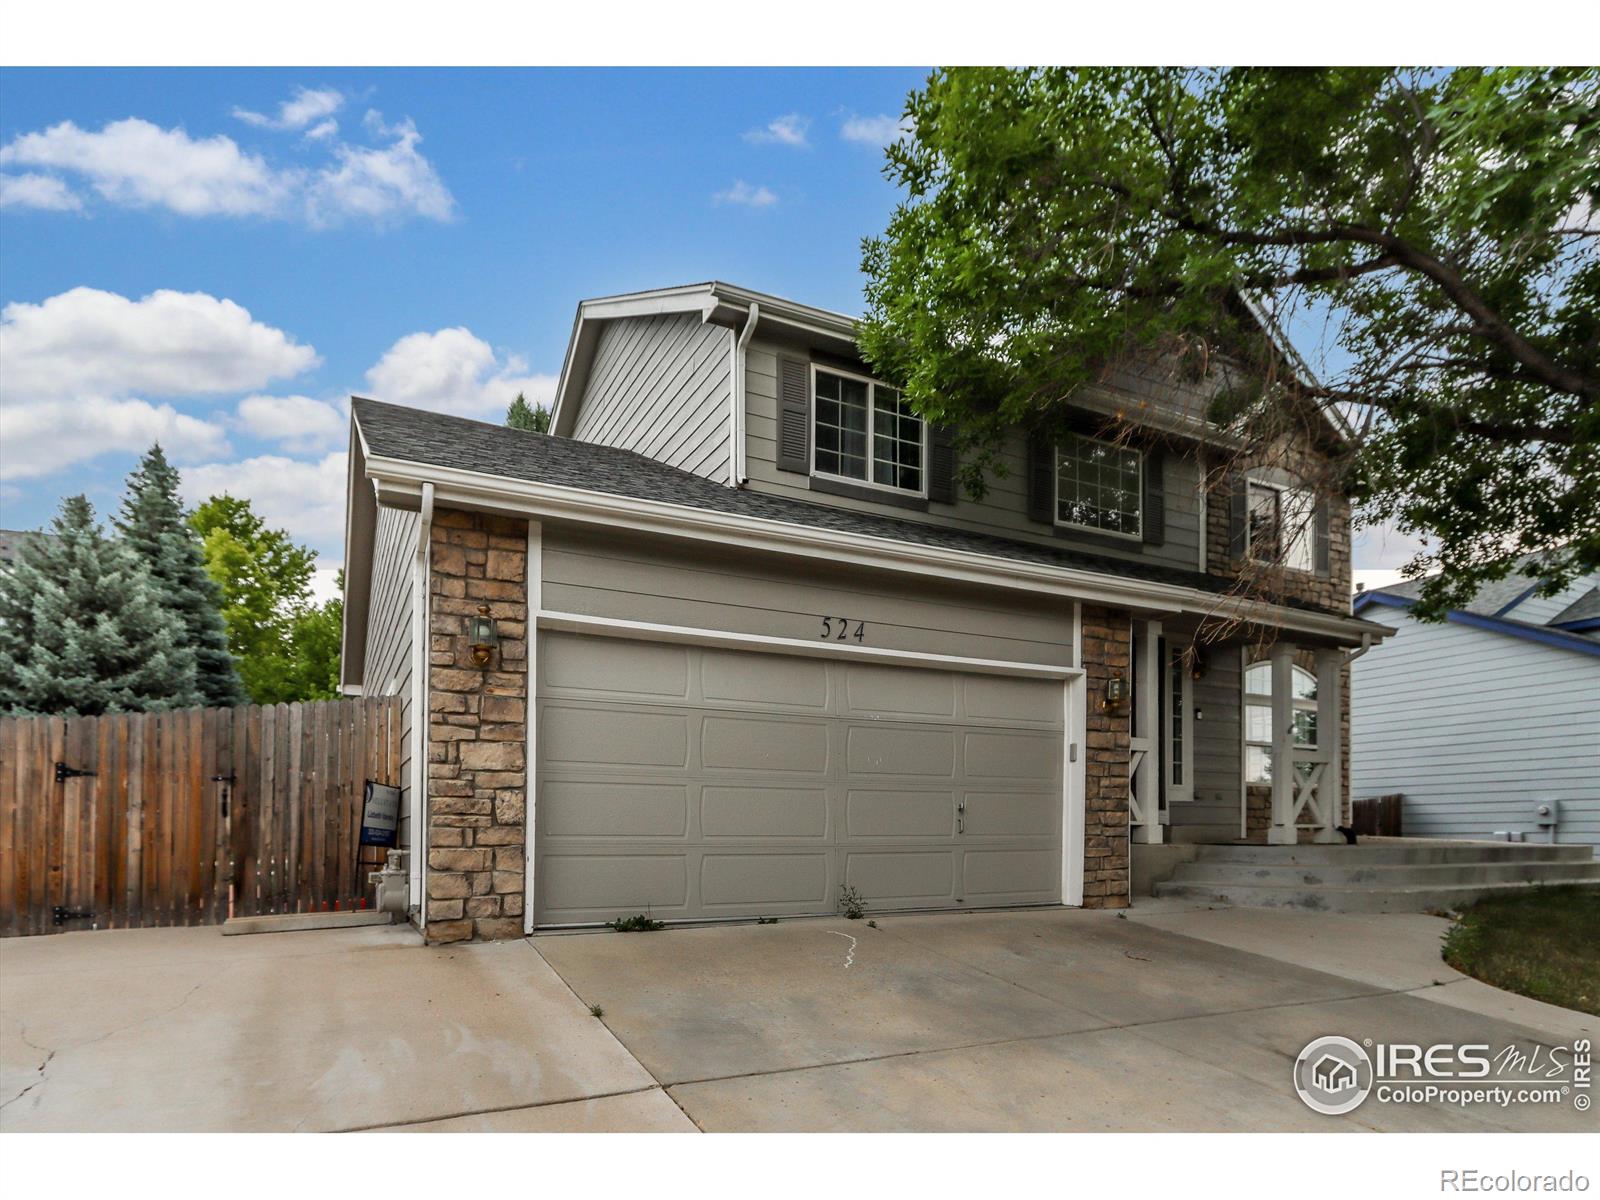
(1198, 666)
(1116, 693)
(481, 635)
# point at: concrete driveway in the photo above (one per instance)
(1041, 1020)
(1172, 1018)
(187, 1030)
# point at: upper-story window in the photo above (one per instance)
(865, 432)
(1282, 525)
(1099, 486)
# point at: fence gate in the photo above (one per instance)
(188, 817)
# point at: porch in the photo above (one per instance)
(1209, 726)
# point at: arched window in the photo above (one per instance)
(1258, 717)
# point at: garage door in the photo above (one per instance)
(692, 782)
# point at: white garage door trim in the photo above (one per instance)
(1072, 695)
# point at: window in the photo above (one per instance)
(866, 432)
(1098, 486)
(1258, 717)
(1177, 684)
(1282, 526)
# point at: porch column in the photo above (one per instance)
(1282, 831)
(1330, 733)
(1144, 741)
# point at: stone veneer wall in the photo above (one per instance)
(1107, 651)
(477, 729)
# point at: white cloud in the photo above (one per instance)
(325, 580)
(742, 193)
(453, 371)
(140, 165)
(379, 183)
(135, 164)
(298, 423)
(305, 498)
(301, 109)
(91, 342)
(787, 130)
(1383, 547)
(875, 131)
(40, 437)
(37, 191)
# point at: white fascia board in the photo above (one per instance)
(471, 489)
(803, 318)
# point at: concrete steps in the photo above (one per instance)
(1384, 875)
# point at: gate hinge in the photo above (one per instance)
(60, 914)
(64, 772)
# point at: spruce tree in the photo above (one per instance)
(154, 527)
(522, 415)
(83, 630)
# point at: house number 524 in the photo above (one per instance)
(843, 629)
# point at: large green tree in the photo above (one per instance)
(1434, 231)
(152, 525)
(83, 629)
(265, 580)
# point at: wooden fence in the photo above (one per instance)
(1377, 816)
(188, 817)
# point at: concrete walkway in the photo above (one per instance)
(185, 1030)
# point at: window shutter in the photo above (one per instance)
(1320, 547)
(1154, 518)
(941, 464)
(794, 416)
(1239, 517)
(1041, 480)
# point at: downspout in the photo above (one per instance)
(736, 397)
(419, 708)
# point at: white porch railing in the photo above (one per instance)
(1145, 818)
(1305, 779)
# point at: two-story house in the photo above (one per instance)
(730, 639)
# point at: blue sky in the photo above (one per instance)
(219, 257)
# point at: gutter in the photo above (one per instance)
(736, 416)
(420, 658)
(470, 489)
(1546, 635)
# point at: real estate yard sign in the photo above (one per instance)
(380, 814)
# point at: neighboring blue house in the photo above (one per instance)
(1485, 719)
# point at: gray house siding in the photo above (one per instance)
(1474, 727)
(643, 580)
(388, 660)
(659, 386)
(1003, 511)
(1214, 813)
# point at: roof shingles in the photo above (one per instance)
(414, 435)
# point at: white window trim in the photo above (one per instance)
(1055, 505)
(1264, 700)
(872, 400)
(1181, 791)
(1311, 526)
